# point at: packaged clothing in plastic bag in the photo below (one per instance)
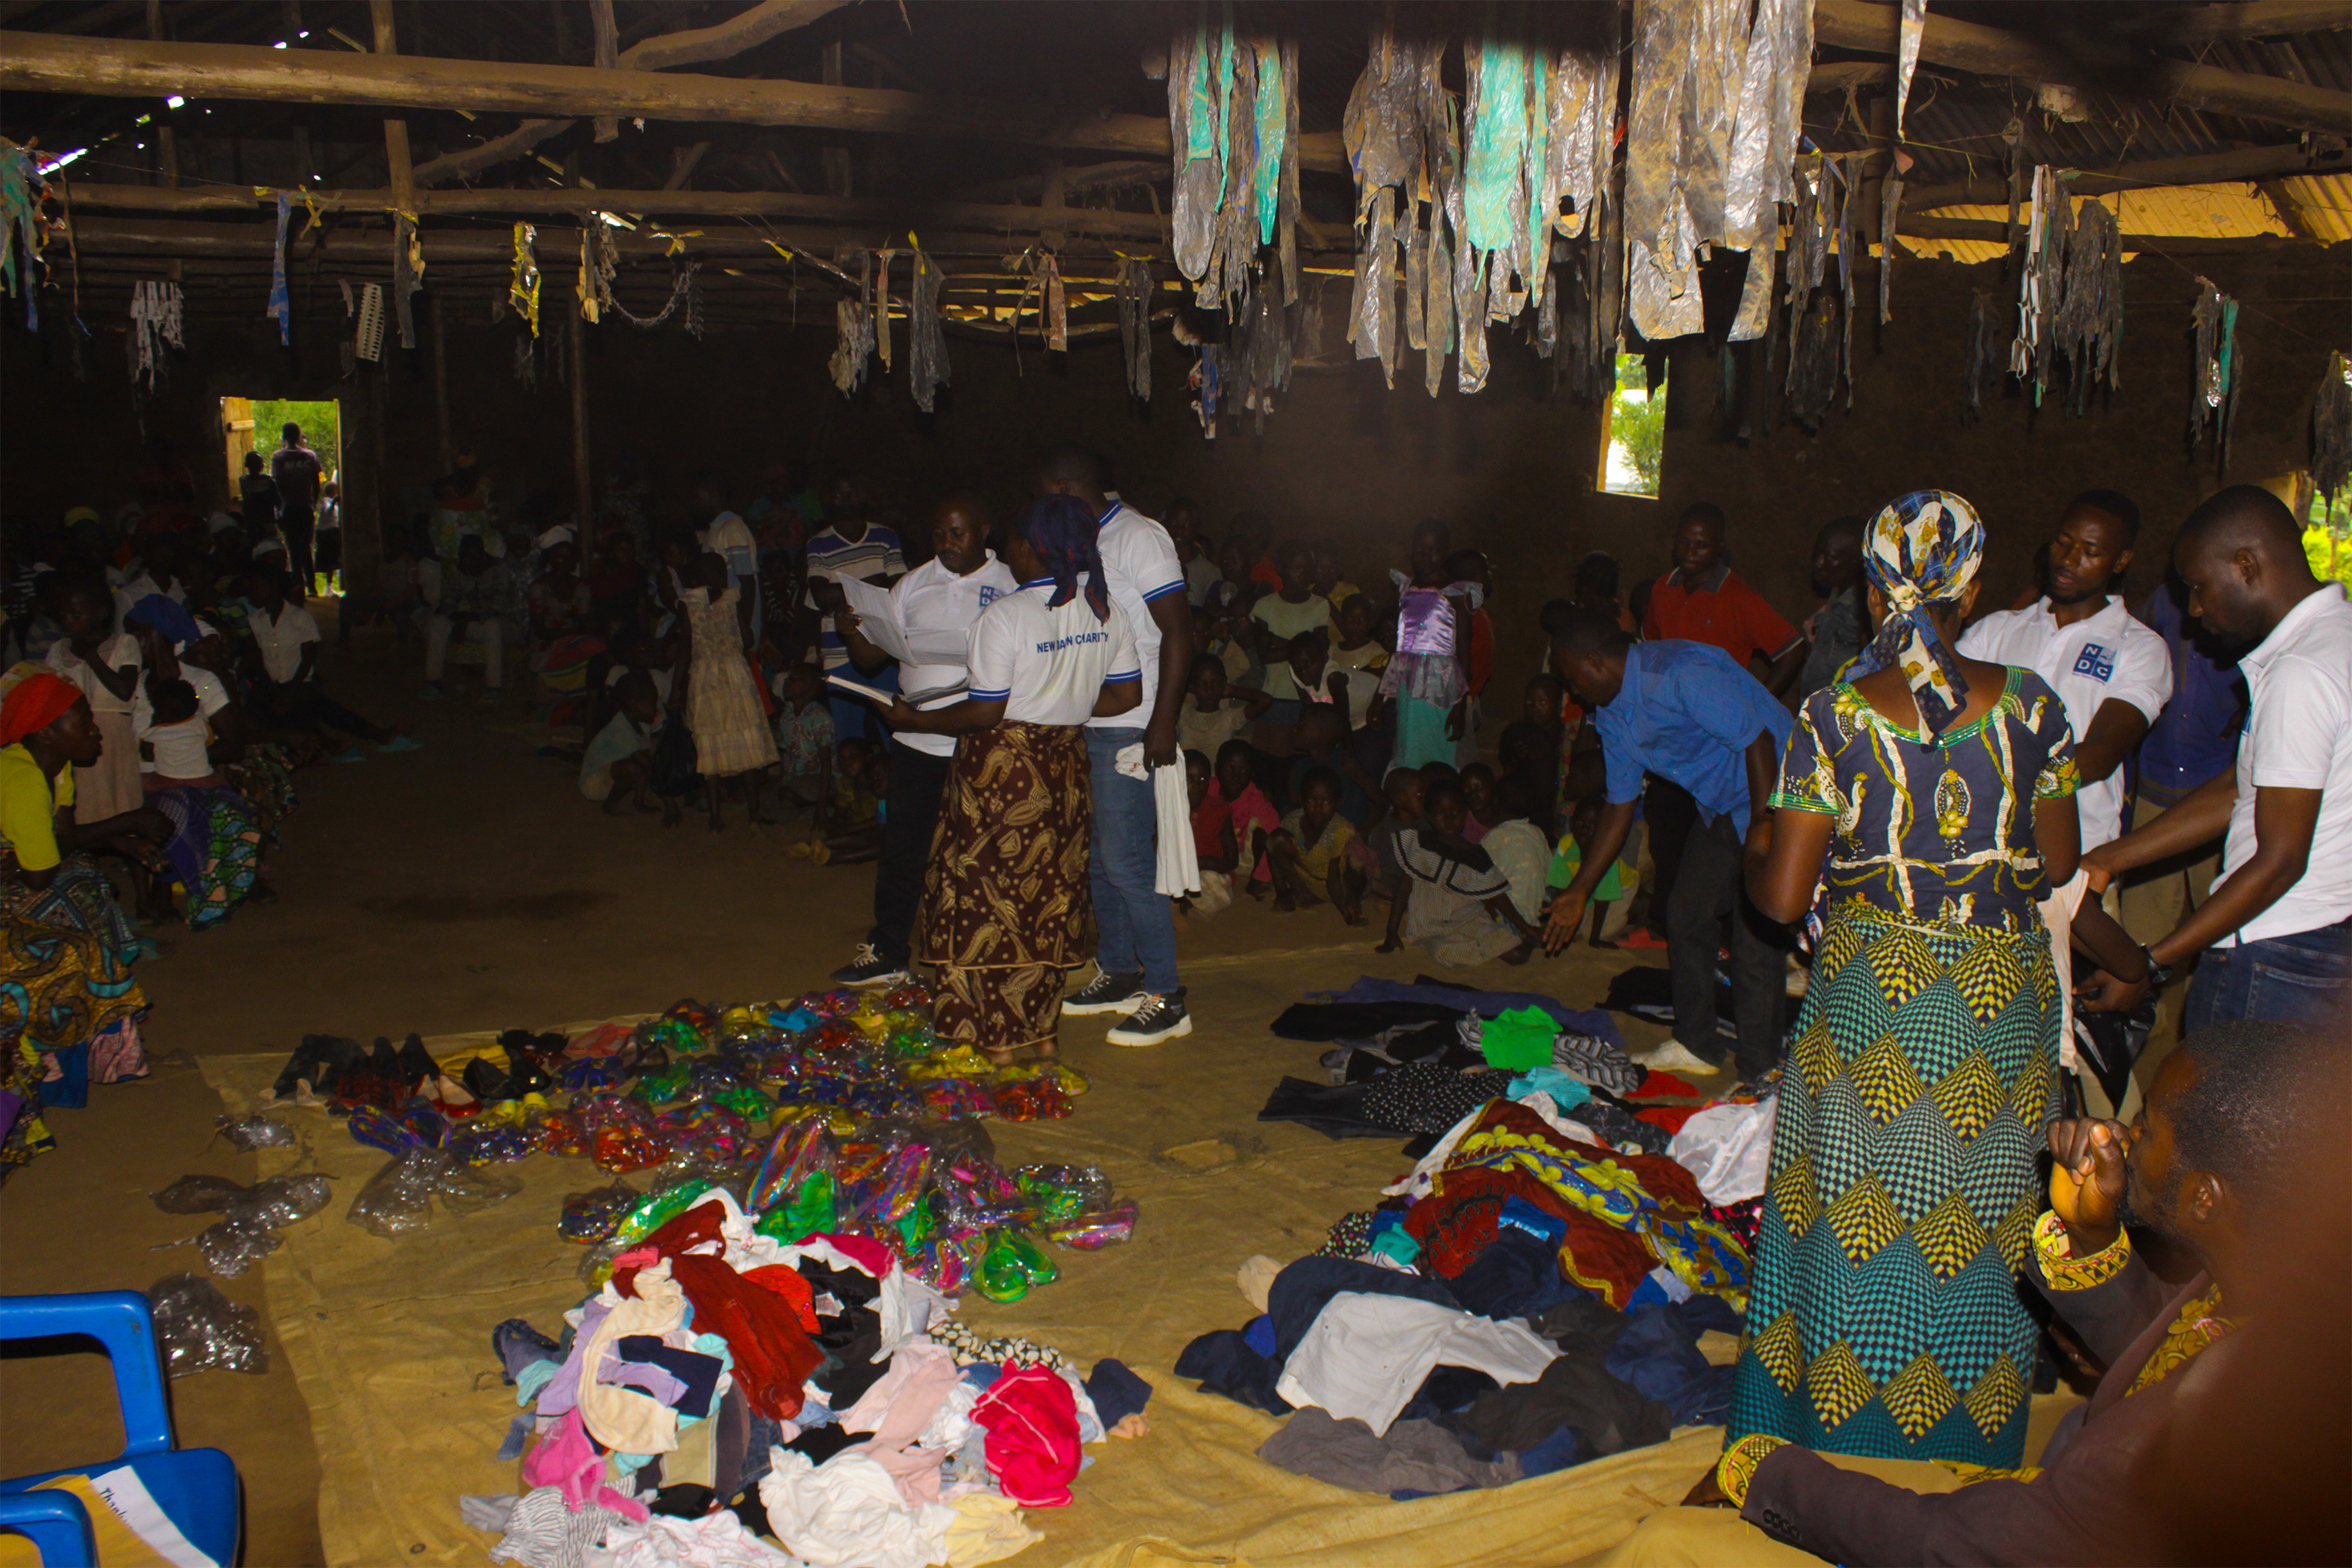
(277, 1201)
(398, 1198)
(257, 1131)
(198, 1194)
(230, 1248)
(199, 1329)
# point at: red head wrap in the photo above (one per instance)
(35, 703)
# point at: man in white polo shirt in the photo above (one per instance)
(938, 602)
(2279, 922)
(1135, 956)
(2112, 672)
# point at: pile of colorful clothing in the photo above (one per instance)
(1535, 1292)
(724, 1388)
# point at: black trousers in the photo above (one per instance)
(297, 524)
(307, 706)
(919, 781)
(1707, 888)
(1671, 814)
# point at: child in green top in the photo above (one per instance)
(1583, 822)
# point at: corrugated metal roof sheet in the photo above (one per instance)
(2323, 203)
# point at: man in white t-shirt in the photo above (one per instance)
(2275, 932)
(1136, 923)
(938, 603)
(729, 537)
(283, 667)
(2112, 672)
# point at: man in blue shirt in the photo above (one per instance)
(1685, 712)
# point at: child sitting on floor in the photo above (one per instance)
(1610, 907)
(1214, 711)
(173, 737)
(1401, 813)
(618, 764)
(1323, 743)
(1212, 841)
(1454, 900)
(804, 738)
(1520, 850)
(1478, 789)
(847, 826)
(1253, 815)
(1310, 851)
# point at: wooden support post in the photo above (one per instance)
(576, 353)
(448, 453)
(608, 54)
(837, 179)
(167, 148)
(395, 131)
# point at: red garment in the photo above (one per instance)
(1670, 1117)
(869, 1254)
(1267, 573)
(1209, 819)
(772, 1353)
(1656, 1084)
(788, 1283)
(1032, 1420)
(1482, 650)
(33, 704)
(1732, 616)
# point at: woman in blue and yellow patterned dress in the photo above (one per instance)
(1932, 797)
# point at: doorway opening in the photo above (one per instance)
(254, 425)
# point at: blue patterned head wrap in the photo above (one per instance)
(166, 615)
(1063, 531)
(1922, 549)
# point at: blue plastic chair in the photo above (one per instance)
(196, 1487)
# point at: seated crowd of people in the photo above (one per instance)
(160, 688)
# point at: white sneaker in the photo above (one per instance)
(1673, 1056)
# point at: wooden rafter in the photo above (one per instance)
(2207, 168)
(46, 62)
(1989, 51)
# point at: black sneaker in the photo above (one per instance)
(1160, 1018)
(870, 968)
(1106, 994)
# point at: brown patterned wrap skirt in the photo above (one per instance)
(1005, 907)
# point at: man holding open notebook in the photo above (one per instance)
(926, 624)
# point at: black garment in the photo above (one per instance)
(1116, 1392)
(1515, 1277)
(1658, 1353)
(296, 523)
(1429, 1097)
(1574, 1390)
(1417, 1457)
(1336, 1110)
(699, 1372)
(1708, 887)
(305, 705)
(1671, 814)
(1222, 1362)
(917, 781)
(848, 1340)
(1355, 1020)
(329, 547)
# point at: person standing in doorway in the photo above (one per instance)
(1839, 629)
(328, 538)
(257, 496)
(2276, 931)
(2113, 673)
(1684, 712)
(1135, 953)
(939, 603)
(298, 474)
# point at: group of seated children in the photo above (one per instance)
(1465, 860)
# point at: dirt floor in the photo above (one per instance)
(463, 887)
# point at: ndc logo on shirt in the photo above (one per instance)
(988, 595)
(2094, 661)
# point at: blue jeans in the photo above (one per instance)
(1135, 923)
(2305, 979)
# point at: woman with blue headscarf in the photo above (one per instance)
(1931, 798)
(1005, 906)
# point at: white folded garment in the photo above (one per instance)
(1366, 1355)
(1179, 867)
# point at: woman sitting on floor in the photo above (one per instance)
(69, 1010)
(564, 645)
(1454, 900)
(214, 851)
(1005, 906)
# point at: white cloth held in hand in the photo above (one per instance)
(1179, 866)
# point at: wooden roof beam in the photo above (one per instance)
(1989, 51)
(2254, 20)
(572, 201)
(46, 62)
(2205, 168)
(1996, 231)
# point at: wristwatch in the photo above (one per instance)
(2158, 974)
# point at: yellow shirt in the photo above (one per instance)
(28, 808)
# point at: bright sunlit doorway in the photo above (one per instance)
(255, 425)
